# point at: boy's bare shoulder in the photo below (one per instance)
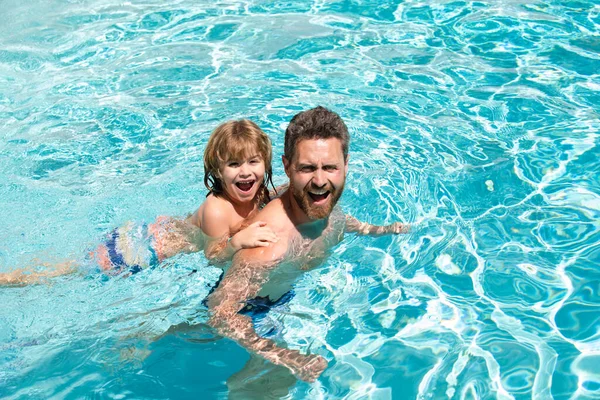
(216, 204)
(211, 203)
(215, 216)
(211, 198)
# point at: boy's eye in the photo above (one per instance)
(233, 164)
(254, 161)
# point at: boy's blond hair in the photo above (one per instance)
(236, 140)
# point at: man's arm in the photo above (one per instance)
(242, 282)
(363, 228)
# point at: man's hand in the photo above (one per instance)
(306, 367)
(363, 228)
(397, 228)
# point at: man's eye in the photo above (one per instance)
(306, 169)
(330, 168)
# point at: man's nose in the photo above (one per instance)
(319, 180)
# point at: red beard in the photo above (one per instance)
(315, 212)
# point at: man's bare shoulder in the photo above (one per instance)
(275, 215)
(270, 254)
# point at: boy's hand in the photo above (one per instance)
(257, 234)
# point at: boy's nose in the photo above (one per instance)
(244, 170)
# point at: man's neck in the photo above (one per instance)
(313, 229)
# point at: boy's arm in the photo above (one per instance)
(215, 226)
(248, 235)
(364, 228)
(219, 249)
(242, 282)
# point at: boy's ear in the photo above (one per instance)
(286, 165)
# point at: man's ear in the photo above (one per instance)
(286, 165)
(346, 165)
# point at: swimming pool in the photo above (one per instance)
(476, 121)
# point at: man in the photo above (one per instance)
(308, 225)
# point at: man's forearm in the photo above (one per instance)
(364, 228)
(244, 281)
(240, 284)
(239, 328)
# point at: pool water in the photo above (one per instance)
(477, 122)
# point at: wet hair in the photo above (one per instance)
(317, 123)
(236, 140)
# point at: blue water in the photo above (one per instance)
(478, 122)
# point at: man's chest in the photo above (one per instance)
(309, 252)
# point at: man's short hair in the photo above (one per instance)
(317, 123)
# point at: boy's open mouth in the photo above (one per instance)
(245, 186)
(319, 197)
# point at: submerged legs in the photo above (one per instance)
(28, 276)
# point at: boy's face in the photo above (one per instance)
(242, 178)
(317, 175)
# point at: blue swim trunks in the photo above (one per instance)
(259, 308)
(129, 248)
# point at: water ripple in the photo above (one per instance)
(476, 122)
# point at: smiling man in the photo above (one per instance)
(307, 223)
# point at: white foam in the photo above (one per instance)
(445, 264)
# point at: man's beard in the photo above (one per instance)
(315, 212)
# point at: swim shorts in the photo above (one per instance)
(128, 248)
(258, 309)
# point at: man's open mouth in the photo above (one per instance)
(245, 186)
(319, 197)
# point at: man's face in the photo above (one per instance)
(317, 175)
